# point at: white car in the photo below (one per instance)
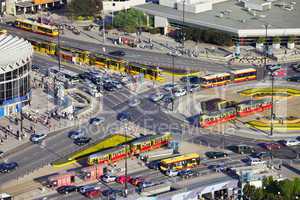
(134, 103)
(179, 92)
(255, 161)
(117, 84)
(37, 137)
(169, 87)
(96, 121)
(171, 173)
(76, 134)
(156, 97)
(108, 178)
(86, 188)
(291, 142)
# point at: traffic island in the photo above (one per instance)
(278, 92)
(108, 142)
(280, 125)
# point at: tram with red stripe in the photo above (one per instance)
(140, 145)
(253, 106)
(217, 117)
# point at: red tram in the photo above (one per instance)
(253, 106)
(217, 117)
(140, 145)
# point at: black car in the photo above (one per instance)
(187, 173)
(82, 141)
(112, 193)
(216, 154)
(123, 116)
(109, 87)
(67, 189)
(191, 79)
(117, 53)
(154, 164)
(8, 167)
(294, 78)
(263, 155)
(35, 67)
(296, 67)
(241, 149)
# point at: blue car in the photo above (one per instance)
(8, 167)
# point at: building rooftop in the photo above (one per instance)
(14, 52)
(230, 16)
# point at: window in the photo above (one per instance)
(2, 92)
(8, 87)
(15, 74)
(8, 76)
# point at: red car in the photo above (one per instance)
(136, 181)
(123, 179)
(93, 194)
(271, 146)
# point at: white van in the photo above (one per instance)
(255, 161)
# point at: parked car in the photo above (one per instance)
(271, 146)
(294, 78)
(117, 53)
(117, 84)
(191, 79)
(93, 193)
(8, 167)
(82, 141)
(134, 102)
(156, 97)
(169, 87)
(76, 134)
(291, 142)
(96, 121)
(136, 181)
(108, 178)
(216, 154)
(179, 92)
(112, 193)
(123, 179)
(38, 137)
(67, 189)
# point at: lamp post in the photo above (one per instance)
(266, 26)
(272, 102)
(173, 81)
(126, 186)
(183, 22)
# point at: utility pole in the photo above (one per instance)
(183, 22)
(126, 150)
(103, 26)
(272, 108)
(266, 49)
(173, 81)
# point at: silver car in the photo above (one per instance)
(76, 134)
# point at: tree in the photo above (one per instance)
(276, 40)
(85, 8)
(130, 20)
(261, 40)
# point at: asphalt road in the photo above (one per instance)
(132, 55)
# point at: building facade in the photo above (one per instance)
(15, 68)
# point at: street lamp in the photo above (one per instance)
(266, 26)
(173, 81)
(183, 22)
(126, 146)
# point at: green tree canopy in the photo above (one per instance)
(85, 8)
(129, 20)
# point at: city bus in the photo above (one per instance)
(36, 27)
(63, 75)
(243, 75)
(186, 161)
(214, 80)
